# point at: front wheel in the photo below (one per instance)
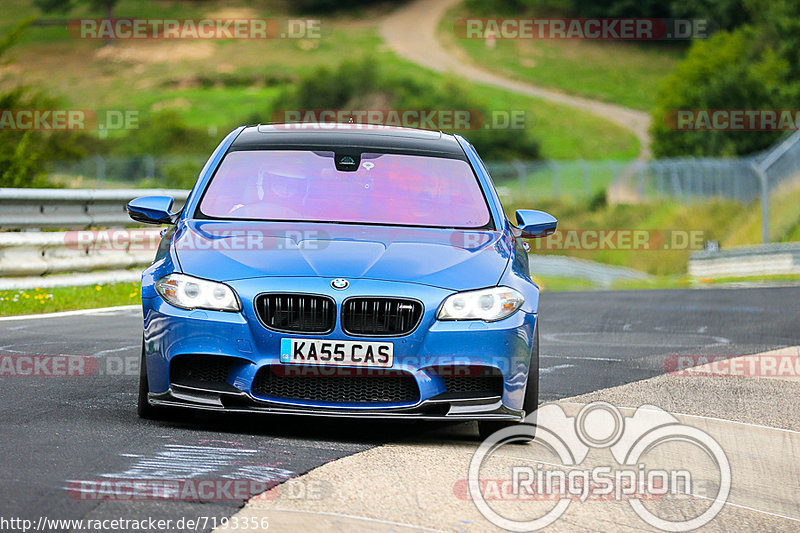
(143, 407)
(530, 402)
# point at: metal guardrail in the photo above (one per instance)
(573, 267)
(32, 253)
(72, 208)
(764, 260)
(50, 252)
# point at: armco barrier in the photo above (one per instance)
(72, 208)
(36, 253)
(33, 253)
(770, 259)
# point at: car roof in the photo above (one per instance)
(356, 137)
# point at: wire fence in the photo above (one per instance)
(128, 171)
(630, 181)
(679, 178)
(742, 179)
(686, 179)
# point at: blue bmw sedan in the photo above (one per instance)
(342, 270)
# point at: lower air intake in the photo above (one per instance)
(332, 385)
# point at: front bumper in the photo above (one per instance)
(491, 408)
(503, 346)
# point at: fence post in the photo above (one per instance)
(100, 167)
(519, 167)
(149, 167)
(638, 168)
(556, 179)
(587, 178)
(762, 178)
(658, 168)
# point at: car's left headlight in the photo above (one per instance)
(492, 304)
(188, 292)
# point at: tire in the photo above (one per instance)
(530, 402)
(143, 407)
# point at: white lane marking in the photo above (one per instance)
(178, 461)
(7, 347)
(754, 509)
(614, 359)
(705, 417)
(553, 368)
(103, 352)
(356, 517)
(77, 312)
(598, 340)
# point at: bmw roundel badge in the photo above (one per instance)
(340, 284)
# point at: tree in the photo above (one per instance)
(756, 66)
(64, 6)
(23, 155)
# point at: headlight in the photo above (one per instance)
(192, 293)
(486, 304)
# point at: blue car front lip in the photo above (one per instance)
(504, 345)
(481, 409)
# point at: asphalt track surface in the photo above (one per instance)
(61, 429)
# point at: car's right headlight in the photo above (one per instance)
(188, 292)
(492, 304)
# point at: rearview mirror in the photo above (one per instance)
(532, 224)
(152, 210)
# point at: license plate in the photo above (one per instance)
(325, 352)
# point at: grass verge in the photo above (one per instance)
(219, 85)
(564, 284)
(51, 300)
(619, 72)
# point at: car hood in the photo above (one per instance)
(449, 259)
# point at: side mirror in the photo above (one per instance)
(533, 224)
(152, 210)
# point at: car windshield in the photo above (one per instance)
(390, 189)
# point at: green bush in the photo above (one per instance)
(25, 154)
(365, 85)
(722, 14)
(181, 174)
(329, 6)
(720, 73)
(756, 66)
(162, 133)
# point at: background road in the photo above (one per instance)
(411, 32)
(58, 429)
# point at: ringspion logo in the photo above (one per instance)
(632, 475)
